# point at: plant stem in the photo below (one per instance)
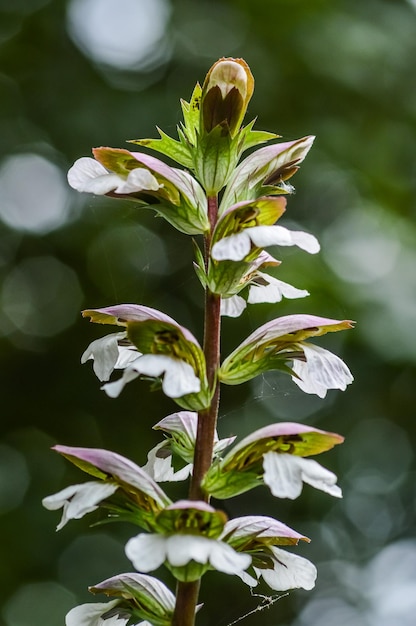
(187, 593)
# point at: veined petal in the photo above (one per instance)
(184, 548)
(179, 377)
(286, 473)
(114, 389)
(271, 165)
(90, 614)
(233, 306)
(138, 179)
(224, 559)
(321, 371)
(261, 529)
(105, 353)
(233, 248)
(88, 175)
(108, 465)
(78, 500)
(263, 236)
(236, 247)
(146, 595)
(273, 291)
(182, 428)
(159, 466)
(296, 326)
(146, 551)
(290, 572)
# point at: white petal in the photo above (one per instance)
(247, 579)
(321, 371)
(263, 236)
(273, 291)
(160, 467)
(282, 474)
(184, 548)
(89, 175)
(319, 477)
(126, 355)
(232, 248)
(290, 572)
(181, 549)
(138, 179)
(146, 551)
(90, 615)
(224, 559)
(182, 423)
(78, 500)
(286, 473)
(233, 306)
(114, 389)
(220, 445)
(105, 354)
(179, 378)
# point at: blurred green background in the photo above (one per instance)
(81, 73)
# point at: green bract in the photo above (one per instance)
(274, 345)
(242, 468)
(138, 498)
(142, 596)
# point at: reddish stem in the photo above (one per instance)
(187, 593)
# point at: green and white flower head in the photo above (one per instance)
(274, 456)
(259, 536)
(172, 193)
(124, 490)
(158, 347)
(187, 543)
(181, 431)
(279, 344)
(138, 597)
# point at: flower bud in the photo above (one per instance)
(226, 92)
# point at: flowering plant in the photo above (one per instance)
(232, 205)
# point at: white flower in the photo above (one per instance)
(148, 551)
(182, 427)
(91, 615)
(290, 571)
(89, 175)
(78, 500)
(267, 289)
(236, 247)
(95, 614)
(273, 290)
(232, 306)
(159, 465)
(108, 354)
(286, 473)
(321, 371)
(178, 376)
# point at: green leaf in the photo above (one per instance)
(274, 344)
(176, 150)
(190, 112)
(249, 138)
(215, 159)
